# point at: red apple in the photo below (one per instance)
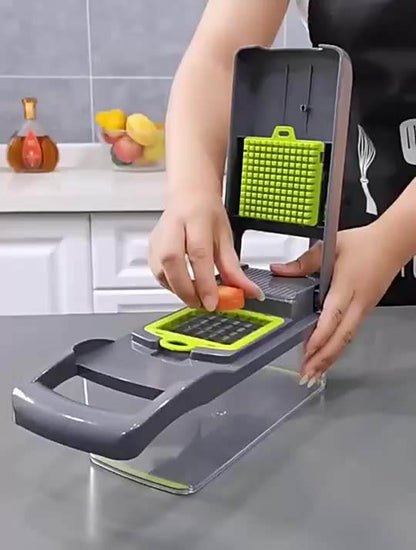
(126, 150)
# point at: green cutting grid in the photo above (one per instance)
(282, 178)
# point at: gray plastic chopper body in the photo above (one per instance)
(176, 384)
(183, 386)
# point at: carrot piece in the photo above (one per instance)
(230, 298)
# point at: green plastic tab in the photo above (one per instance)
(282, 178)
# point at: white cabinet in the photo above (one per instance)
(80, 263)
(133, 301)
(120, 249)
(122, 279)
(45, 264)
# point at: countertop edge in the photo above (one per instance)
(84, 182)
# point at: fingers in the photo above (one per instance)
(169, 267)
(157, 270)
(230, 269)
(206, 244)
(162, 280)
(199, 248)
(317, 364)
(335, 306)
(308, 263)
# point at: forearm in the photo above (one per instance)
(199, 106)
(398, 226)
(197, 125)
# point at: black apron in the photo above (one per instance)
(380, 37)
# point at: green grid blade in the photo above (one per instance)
(282, 178)
(188, 329)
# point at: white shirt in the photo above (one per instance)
(303, 6)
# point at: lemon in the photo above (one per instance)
(141, 129)
(111, 120)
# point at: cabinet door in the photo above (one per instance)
(120, 248)
(45, 264)
(134, 301)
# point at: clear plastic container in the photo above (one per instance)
(201, 444)
(129, 156)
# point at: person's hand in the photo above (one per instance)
(364, 268)
(197, 227)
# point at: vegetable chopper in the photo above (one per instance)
(195, 390)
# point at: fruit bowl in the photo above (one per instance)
(134, 143)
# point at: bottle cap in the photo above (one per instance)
(29, 105)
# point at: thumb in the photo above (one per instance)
(231, 272)
(308, 263)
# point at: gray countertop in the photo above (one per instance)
(339, 475)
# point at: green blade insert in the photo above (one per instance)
(189, 329)
(282, 178)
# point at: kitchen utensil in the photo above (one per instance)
(366, 156)
(408, 140)
(282, 178)
(204, 396)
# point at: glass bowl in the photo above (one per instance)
(128, 155)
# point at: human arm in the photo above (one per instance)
(195, 223)
(367, 260)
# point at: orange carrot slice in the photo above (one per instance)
(230, 298)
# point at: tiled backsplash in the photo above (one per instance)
(80, 56)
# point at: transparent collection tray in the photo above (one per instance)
(204, 442)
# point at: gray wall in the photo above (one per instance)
(80, 56)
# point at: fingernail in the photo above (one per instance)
(210, 303)
(260, 295)
(303, 380)
(312, 382)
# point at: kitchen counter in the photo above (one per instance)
(84, 181)
(339, 475)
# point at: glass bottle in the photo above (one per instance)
(31, 149)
